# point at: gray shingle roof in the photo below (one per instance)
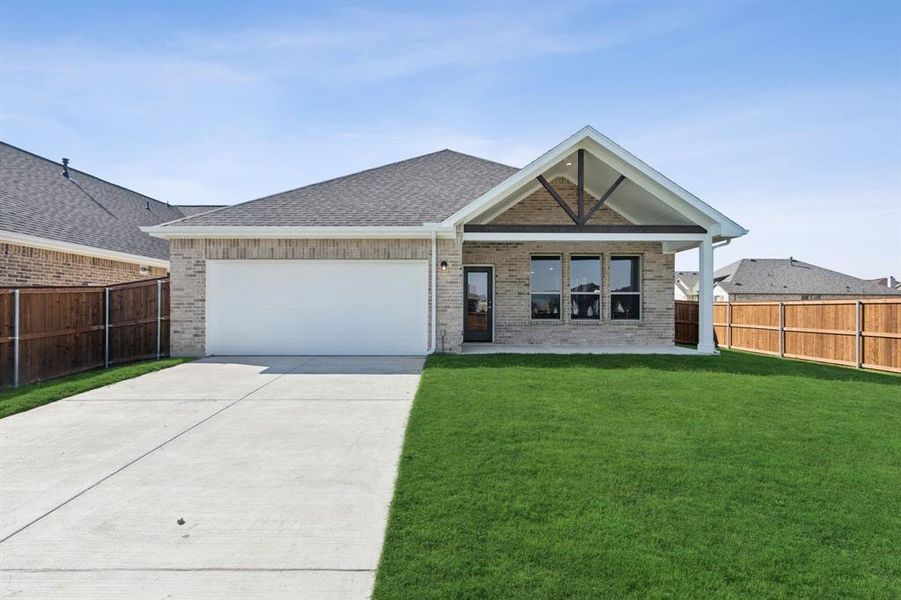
(189, 210)
(790, 276)
(689, 279)
(424, 189)
(35, 199)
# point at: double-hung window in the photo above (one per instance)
(585, 287)
(546, 286)
(625, 288)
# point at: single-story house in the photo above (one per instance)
(431, 253)
(780, 280)
(61, 226)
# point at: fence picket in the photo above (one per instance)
(63, 330)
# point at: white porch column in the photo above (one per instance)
(705, 296)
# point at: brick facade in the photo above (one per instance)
(188, 259)
(512, 300)
(26, 265)
(512, 275)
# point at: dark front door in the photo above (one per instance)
(477, 309)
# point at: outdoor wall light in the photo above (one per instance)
(444, 265)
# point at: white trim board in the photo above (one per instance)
(33, 241)
(581, 237)
(266, 232)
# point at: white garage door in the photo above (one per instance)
(316, 307)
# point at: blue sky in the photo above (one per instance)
(787, 117)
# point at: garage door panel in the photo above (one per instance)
(317, 307)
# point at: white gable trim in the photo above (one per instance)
(622, 161)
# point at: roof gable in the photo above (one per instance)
(646, 197)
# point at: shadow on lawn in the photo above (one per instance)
(736, 363)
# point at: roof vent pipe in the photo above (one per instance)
(66, 168)
(147, 204)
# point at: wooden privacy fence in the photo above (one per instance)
(856, 332)
(52, 331)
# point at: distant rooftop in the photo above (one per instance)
(787, 276)
(38, 199)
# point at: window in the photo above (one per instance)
(585, 287)
(625, 290)
(546, 284)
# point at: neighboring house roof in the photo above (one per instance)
(37, 201)
(190, 210)
(410, 192)
(688, 278)
(790, 276)
(688, 282)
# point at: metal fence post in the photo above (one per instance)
(781, 329)
(857, 334)
(15, 338)
(159, 317)
(106, 328)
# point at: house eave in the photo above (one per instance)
(425, 231)
(697, 238)
(32, 241)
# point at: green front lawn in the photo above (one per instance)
(30, 396)
(650, 476)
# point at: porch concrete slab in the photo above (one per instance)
(473, 348)
(50, 454)
(219, 378)
(182, 585)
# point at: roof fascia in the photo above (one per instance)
(10, 237)
(265, 232)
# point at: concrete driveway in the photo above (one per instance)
(221, 478)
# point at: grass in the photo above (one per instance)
(30, 396)
(646, 476)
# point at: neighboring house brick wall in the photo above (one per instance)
(26, 265)
(512, 294)
(188, 263)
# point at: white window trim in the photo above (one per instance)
(560, 257)
(639, 293)
(600, 293)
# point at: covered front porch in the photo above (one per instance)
(588, 290)
(576, 253)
